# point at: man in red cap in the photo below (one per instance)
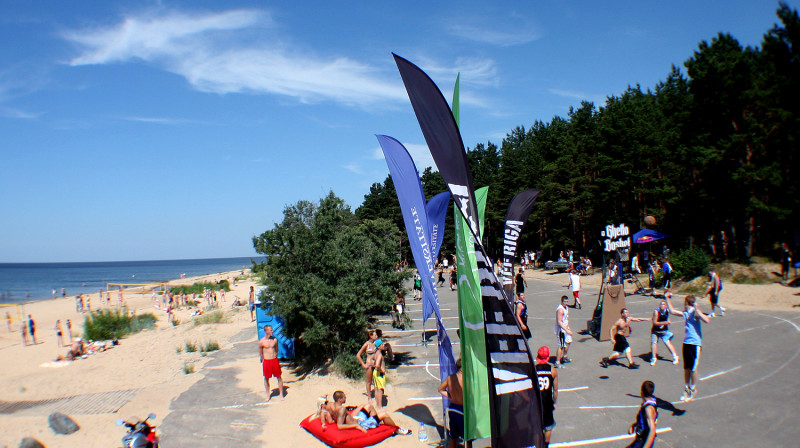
(548, 387)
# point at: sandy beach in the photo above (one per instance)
(145, 373)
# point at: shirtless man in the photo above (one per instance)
(366, 416)
(251, 304)
(452, 388)
(619, 333)
(268, 353)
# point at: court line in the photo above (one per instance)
(708, 377)
(415, 330)
(421, 345)
(429, 372)
(572, 389)
(603, 439)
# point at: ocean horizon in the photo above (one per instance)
(25, 282)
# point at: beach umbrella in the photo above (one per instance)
(647, 235)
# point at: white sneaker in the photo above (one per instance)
(653, 361)
(721, 312)
(711, 315)
(686, 393)
(692, 394)
(676, 360)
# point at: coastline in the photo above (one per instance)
(144, 374)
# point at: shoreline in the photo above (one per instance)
(147, 368)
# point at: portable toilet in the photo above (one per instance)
(285, 344)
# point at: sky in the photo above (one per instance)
(181, 129)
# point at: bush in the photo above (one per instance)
(689, 263)
(179, 349)
(191, 347)
(188, 368)
(107, 324)
(347, 364)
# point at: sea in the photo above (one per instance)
(25, 282)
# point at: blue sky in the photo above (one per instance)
(160, 130)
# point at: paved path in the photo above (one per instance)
(215, 412)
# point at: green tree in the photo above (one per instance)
(328, 272)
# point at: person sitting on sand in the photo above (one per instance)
(77, 349)
(323, 412)
(362, 417)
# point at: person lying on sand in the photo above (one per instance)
(363, 417)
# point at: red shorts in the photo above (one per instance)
(272, 367)
(576, 294)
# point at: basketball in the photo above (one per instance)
(650, 220)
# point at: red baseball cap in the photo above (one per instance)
(543, 356)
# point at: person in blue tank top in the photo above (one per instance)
(644, 428)
(692, 342)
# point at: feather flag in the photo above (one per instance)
(514, 402)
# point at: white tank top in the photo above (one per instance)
(564, 319)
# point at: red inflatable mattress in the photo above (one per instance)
(347, 438)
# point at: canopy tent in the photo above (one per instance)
(647, 235)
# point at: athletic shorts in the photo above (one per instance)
(714, 298)
(576, 294)
(564, 339)
(691, 355)
(621, 344)
(666, 337)
(639, 443)
(456, 416)
(378, 379)
(366, 421)
(252, 306)
(271, 367)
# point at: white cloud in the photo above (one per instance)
(419, 153)
(20, 114)
(598, 100)
(353, 167)
(497, 37)
(203, 48)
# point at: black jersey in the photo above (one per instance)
(544, 373)
(663, 316)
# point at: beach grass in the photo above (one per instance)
(211, 346)
(214, 317)
(107, 324)
(191, 347)
(200, 287)
(188, 367)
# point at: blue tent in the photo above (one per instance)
(647, 235)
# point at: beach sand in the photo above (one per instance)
(145, 373)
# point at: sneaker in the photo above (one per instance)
(686, 393)
(558, 365)
(403, 431)
(565, 360)
(721, 312)
(653, 361)
(711, 315)
(676, 360)
(604, 363)
(633, 366)
(692, 394)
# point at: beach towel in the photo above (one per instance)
(347, 438)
